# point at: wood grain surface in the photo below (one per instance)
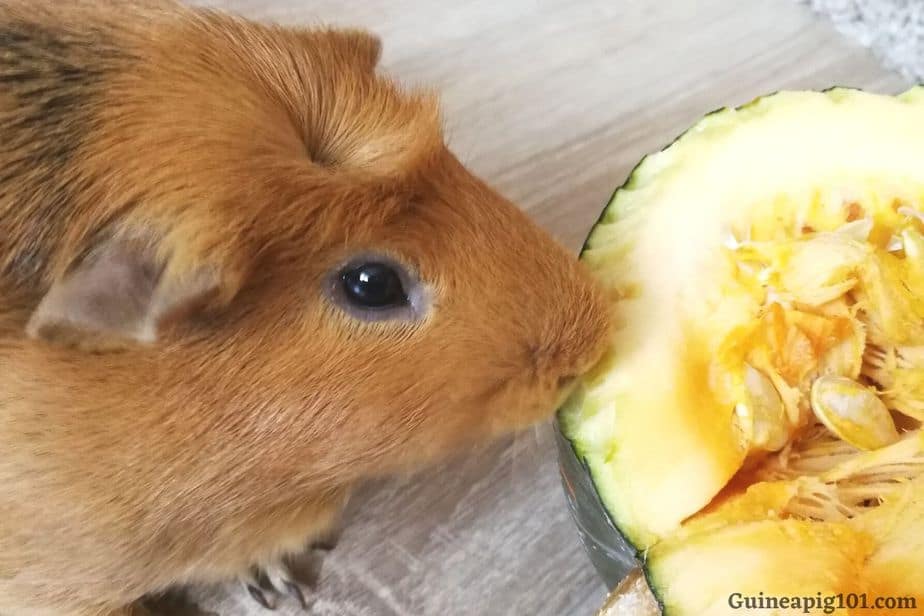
(552, 101)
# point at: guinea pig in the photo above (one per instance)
(240, 272)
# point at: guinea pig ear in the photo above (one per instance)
(120, 293)
(360, 47)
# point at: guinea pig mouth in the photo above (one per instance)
(566, 386)
(567, 382)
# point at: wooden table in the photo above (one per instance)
(552, 101)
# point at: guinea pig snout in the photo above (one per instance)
(560, 362)
(574, 342)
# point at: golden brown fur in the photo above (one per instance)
(244, 161)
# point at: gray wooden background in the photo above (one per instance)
(552, 101)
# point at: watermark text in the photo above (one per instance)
(819, 603)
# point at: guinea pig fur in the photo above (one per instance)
(186, 390)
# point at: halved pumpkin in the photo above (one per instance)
(755, 429)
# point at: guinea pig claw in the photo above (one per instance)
(267, 598)
(296, 593)
(267, 586)
(281, 578)
(262, 596)
(258, 587)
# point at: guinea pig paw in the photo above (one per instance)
(267, 586)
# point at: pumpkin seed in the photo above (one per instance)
(853, 412)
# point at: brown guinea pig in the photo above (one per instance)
(239, 272)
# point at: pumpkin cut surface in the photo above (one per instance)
(756, 425)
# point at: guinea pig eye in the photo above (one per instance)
(373, 285)
(376, 287)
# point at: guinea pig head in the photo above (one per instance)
(303, 255)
